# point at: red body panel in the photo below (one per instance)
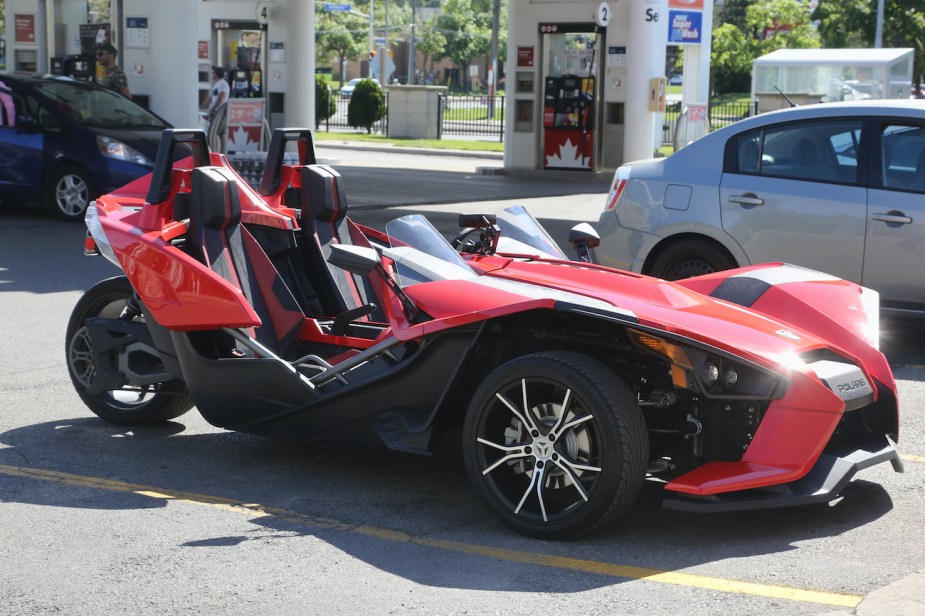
(782, 323)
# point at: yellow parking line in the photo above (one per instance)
(544, 560)
(910, 458)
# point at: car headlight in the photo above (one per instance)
(711, 372)
(113, 148)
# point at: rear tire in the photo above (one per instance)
(133, 406)
(688, 258)
(555, 444)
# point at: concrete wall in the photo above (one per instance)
(414, 111)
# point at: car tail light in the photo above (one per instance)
(620, 178)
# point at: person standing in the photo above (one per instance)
(220, 90)
(114, 78)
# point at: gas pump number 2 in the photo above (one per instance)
(602, 17)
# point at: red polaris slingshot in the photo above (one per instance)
(570, 383)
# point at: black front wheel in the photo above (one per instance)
(143, 404)
(555, 444)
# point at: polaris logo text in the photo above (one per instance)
(855, 384)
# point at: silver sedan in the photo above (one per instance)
(837, 187)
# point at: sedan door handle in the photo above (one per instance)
(895, 218)
(748, 198)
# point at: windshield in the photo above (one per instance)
(421, 254)
(522, 234)
(96, 107)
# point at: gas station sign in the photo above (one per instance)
(245, 124)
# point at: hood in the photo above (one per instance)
(776, 332)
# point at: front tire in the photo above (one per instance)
(70, 192)
(133, 406)
(555, 444)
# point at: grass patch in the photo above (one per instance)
(445, 144)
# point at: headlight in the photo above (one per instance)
(715, 374)
(113, 148)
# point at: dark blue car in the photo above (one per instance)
(63, 142)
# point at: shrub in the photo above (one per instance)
(325, 106)
(367, 105)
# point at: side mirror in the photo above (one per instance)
(358, 260)
(583, 238)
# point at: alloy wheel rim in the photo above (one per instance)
(72, 194)
(539, 450)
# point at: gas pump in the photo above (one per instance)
(76, 66)
(569, 96)
(245, 83)
(246, 80)
(568, 122)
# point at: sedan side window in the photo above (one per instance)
(816, 151)
(902, 157)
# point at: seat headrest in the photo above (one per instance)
(324, 189)
(214, 200)
(803, 152)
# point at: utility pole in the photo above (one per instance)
(493, 69)
(414, 8)
(878, 36)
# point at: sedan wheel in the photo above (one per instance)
(689, 258)
(555, 444)
(70, 193)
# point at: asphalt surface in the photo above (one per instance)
(187, 518)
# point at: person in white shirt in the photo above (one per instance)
(220, 90)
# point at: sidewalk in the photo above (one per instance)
(347, 144)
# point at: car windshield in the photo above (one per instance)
(522, 234)
(421, 254)
(97, 107)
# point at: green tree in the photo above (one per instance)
(367, 105)
(467, 33)
(733, 12)
(782, 24)
(341, 36)
(767, 25)
(853, 24)
(731, 59)
(429, 41)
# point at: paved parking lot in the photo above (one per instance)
(187, 518)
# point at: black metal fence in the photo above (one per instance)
(720, 115)
(477, 116)
(472, 115)
(459, 116)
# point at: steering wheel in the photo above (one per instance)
(461, 236)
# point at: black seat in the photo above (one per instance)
(217, 239)
(325, 222)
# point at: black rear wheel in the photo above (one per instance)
(689, 258)
(555, 444)
(130, 405)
